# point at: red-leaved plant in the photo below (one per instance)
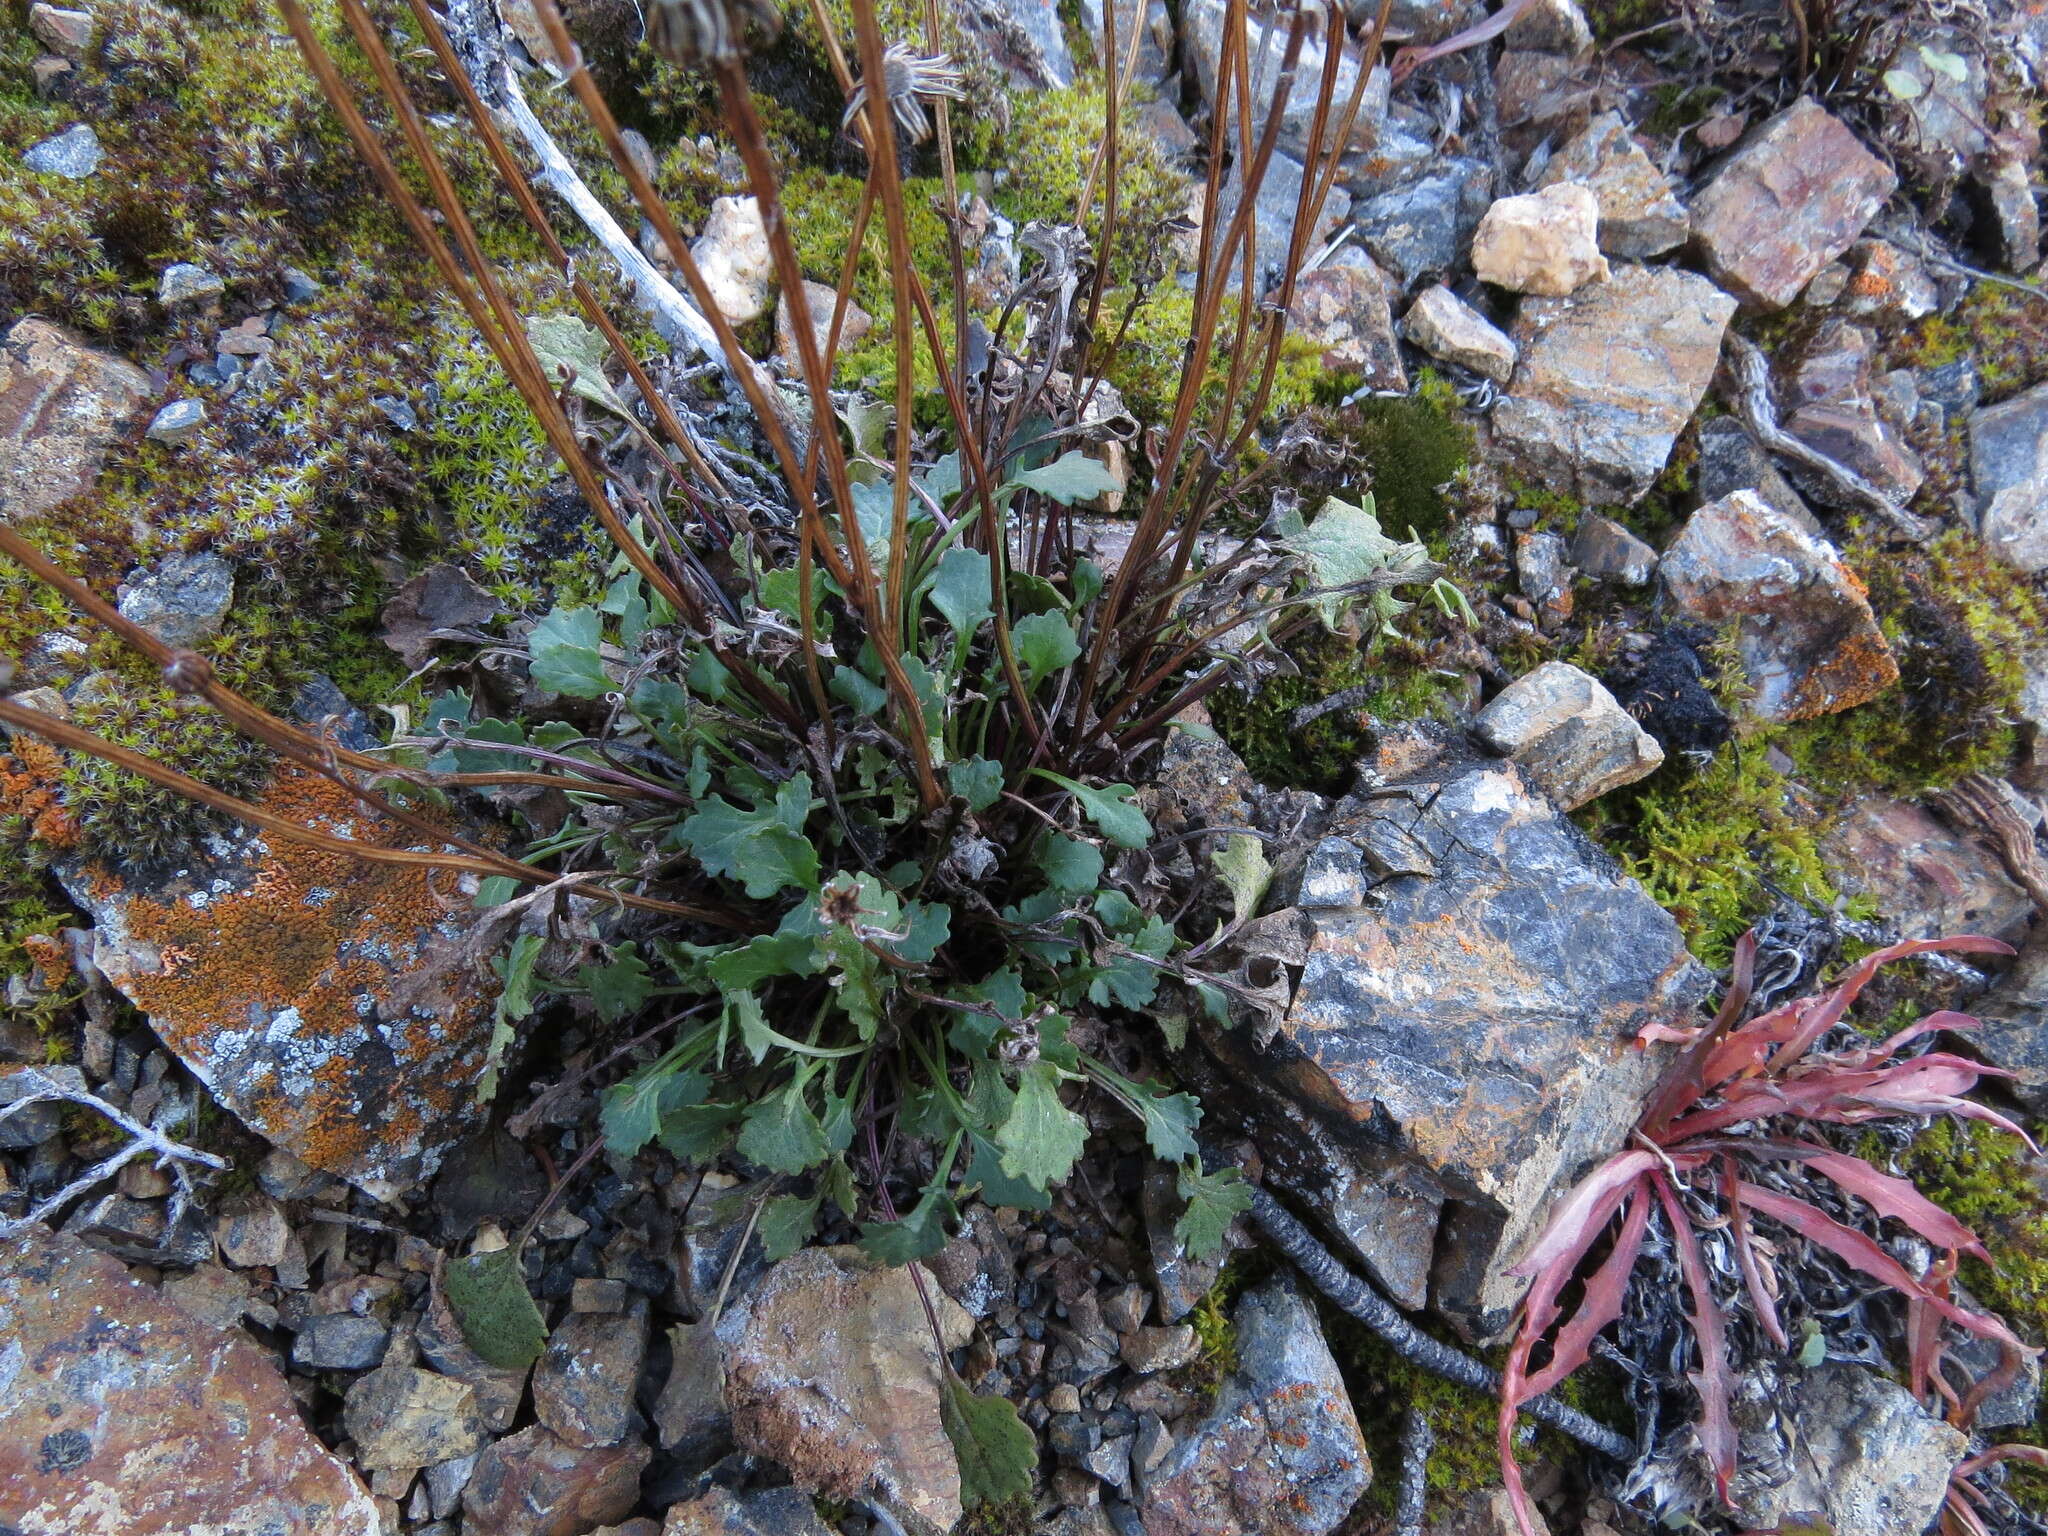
(1763, 1077)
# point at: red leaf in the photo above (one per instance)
(1745, 1255)
(1942, 1019)
(1836, 1003)
(1583, 1213)
(1685, 1081)
(1896, 1198)
(1601, 1305)
(1716, 1429)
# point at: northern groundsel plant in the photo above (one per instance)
(1736, 1142)
(836, 780)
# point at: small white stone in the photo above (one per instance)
(178, 422)
(1446, 327)
(733, 255)
(1545, 243)
(184, 283)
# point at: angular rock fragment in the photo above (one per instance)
(831, 1370)
(1465, 1034)
(1202, 37)
(1609, 377)
(733, 255)
(1808, 640)
(73, 154)
(1787, 203)
(2014, 1032)
(66, 31)
(532, 1484)
(62, 406)
(1923, 877)
(1567, 734)
(823, 299)
(1832, 397)
(583, 1386)
(1603, 548)
(1422, 226)
(1731, 459)
(1281, 1452)
(183, 600)
(1640, 214)
(401, 1416)
(767, 1512)
(1543, 243)
(690, 1414)
(1552, 26)
(1446, 327)
(121, 1415)
(352, 1028)
(2009, 466)
(1343, 310)
(1867, 1457)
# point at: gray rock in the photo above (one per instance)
(1146, 1350)
(1272, 224)
(1178, 1282)
(976, 1268)
(340, 1342)
(1808, 640)
(1202, 36)
(1146, 21)
(583, 1386)
(184, 283)
(1609, 377)
(2014, 1035)
(400, 1416)
(75, 153)
(1833, 408)
(300, 286)
(1111, 1462)
(1542, 573)
(2009, 466)
(1602, 548)
(1280, 1453)
(1446, 327)
(1788, 202)
(1731, 459)
(1640, 214)
(252, 1232)
(764, 1512)
(445, 1481)
(531, 1484)
(183, 600)
(178, 422)
(63, 405)
(1403, 148)
(25, 1128)
(1468, 1026)
(690, 1414)
(1344, 310)
(1864, 1455)
(1567, 734)
(1424, 226)
(1024, 39)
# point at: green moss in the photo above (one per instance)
(1713, 845)
(1323, 754)
(1958, 619)
(2005, 333)
(1412, 447)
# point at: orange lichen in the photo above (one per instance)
(327, 1000)
(29, 776)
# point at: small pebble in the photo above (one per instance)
(178, 422)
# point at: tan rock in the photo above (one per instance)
(1640, 214)
(832, 1371)
(62, 406)
(122, 1415)
(61, 31)
(1545, 242)
(1568, 734)
(733, 255)
(853, 326)
(1343, 310)
(1446, 327)
(532, 1484)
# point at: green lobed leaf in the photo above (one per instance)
(764, 849)
(620, 986)
(786, 1224)
(781, 1132)
(488, 1295)
(962, 590)
(700, 1132)
(1071, 477)
(1045, 642)
(1071, 865)
(1110, 808)
(1240, 863)
(976, 780)
(631, 1112)
(564, 648)
(1170, 1121)
(996, 1451)
(1212, 1200)
(1042, 1139)
(918, 1235)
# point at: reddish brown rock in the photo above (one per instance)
(532, 1484)
(328, 1002)
(1831, 395)
(1344, 311)
(768, 1512)
(583, 1385)
(122, 1415)
(62, 406)
(831, 1370)
(1808, 640)
(1922, 876)
(1787, 203)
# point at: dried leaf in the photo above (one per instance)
(1716, 1429)
(488, 1295)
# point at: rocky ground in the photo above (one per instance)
(1702, 348)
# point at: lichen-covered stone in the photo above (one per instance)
(832, 1371)
(1787, 203)
(1808, 640)
(1281, 1452)
(1343, 310)
(329, 1002)
(122, 1415)
(583, 1386)
(1609, 377)
(63, 405)
(1640, 214)
(1925, 878)
(1543, 242)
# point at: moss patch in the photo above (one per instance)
(2003, 332)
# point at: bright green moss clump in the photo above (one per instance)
(2003, 332)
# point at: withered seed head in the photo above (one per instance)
(909, 80)
(188, 672)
